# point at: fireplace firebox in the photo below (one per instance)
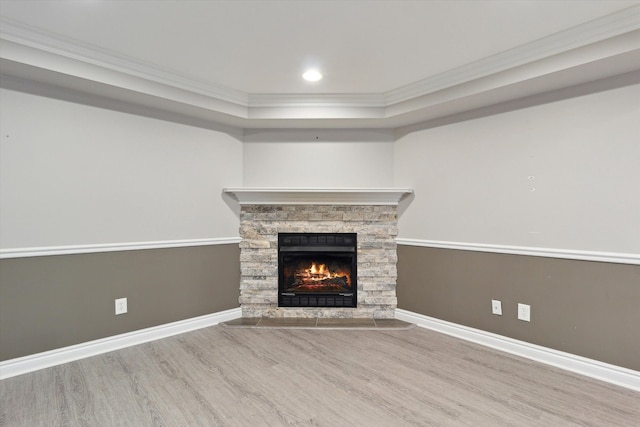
(317, 270)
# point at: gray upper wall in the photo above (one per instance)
(74, 174)
(560, 175)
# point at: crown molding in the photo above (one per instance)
(616, 24)
(29, 36)
(317, 100)
(600, 49)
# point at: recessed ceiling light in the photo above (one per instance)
(312, 75)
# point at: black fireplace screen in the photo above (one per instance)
(317, 269)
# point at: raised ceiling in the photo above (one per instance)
(386, 63)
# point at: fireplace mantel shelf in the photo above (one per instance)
(318, 196)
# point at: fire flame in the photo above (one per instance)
(316, 276)
(319, 272)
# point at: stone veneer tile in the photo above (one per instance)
(377, 257)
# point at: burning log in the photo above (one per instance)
(319, 277)
(329, 281)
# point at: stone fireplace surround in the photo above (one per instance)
(371, 213)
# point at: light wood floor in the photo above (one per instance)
(299, 377)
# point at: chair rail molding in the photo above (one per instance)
(112, 247)
(613, 257)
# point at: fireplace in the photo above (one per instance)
(268, 216)
(317, 270)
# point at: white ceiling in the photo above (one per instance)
(240, 62)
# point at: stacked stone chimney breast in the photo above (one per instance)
(376, 226)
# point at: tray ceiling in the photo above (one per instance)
(386, 63)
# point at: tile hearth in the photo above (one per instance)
(318, 323)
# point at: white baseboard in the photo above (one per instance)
(613, 374)
(23, 365)
(592, 368)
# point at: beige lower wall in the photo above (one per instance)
(56, 301)
(580, 307)
(586, 308)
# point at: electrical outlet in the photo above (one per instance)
(121, 306)
(524, 312)
(496, 307)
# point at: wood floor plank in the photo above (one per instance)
(223, 376)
